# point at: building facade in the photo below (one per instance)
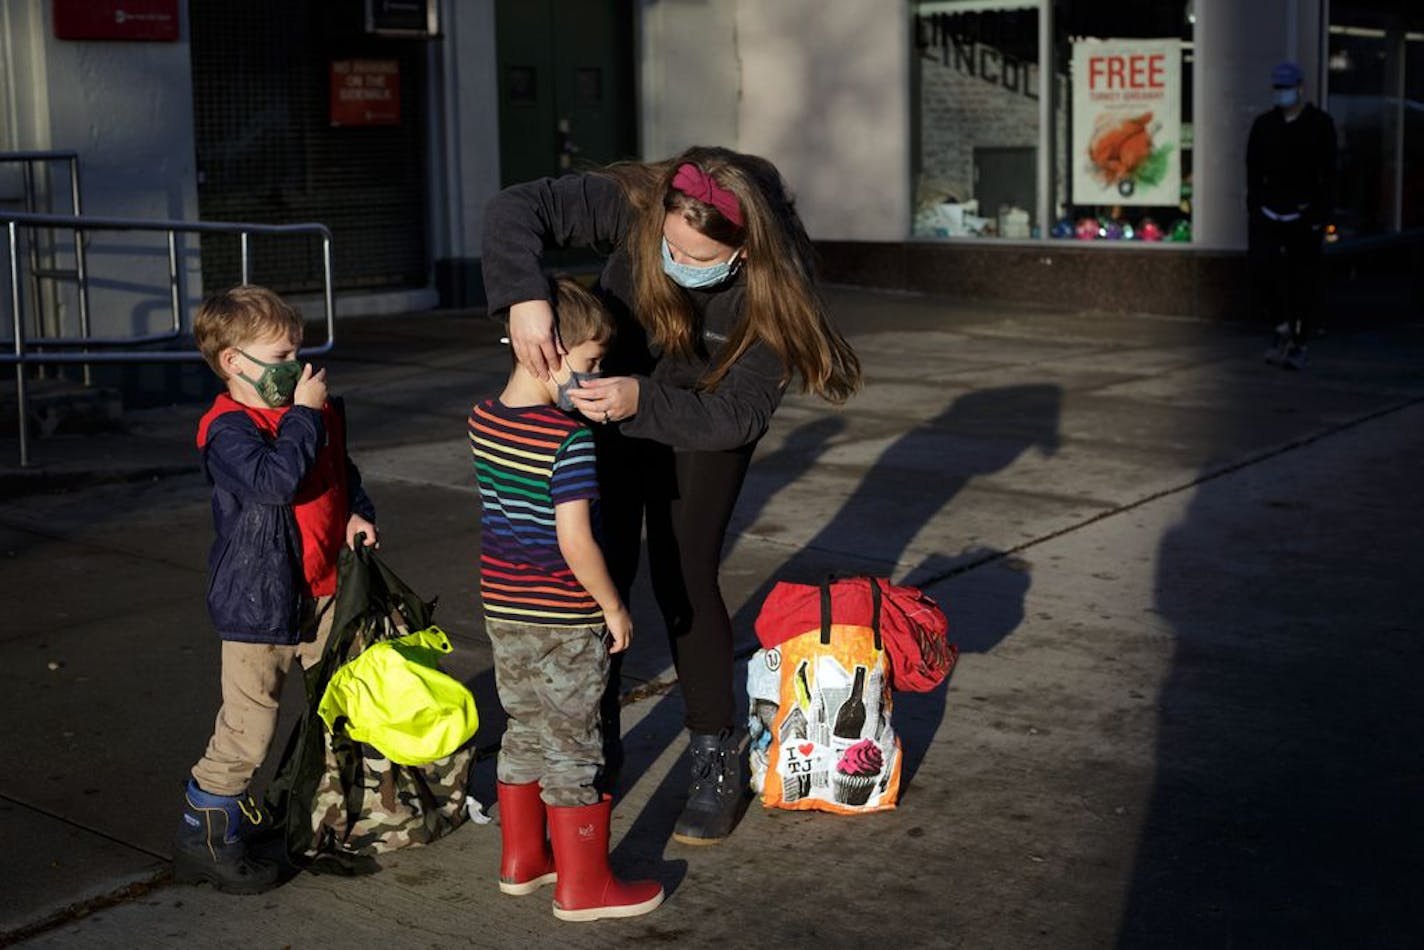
(1075, 151)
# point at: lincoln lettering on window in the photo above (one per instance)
(938, 39)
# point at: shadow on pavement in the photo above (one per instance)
(923, 460)
(1285, 807)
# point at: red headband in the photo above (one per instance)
(695, 183)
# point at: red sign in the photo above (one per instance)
(365, 92)
(116, 20)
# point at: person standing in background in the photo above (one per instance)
(1290, 195)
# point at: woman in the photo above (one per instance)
(710, 274)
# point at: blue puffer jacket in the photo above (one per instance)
(262, 463)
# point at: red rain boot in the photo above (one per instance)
(587, 889)
(525, 863)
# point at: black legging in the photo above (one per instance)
(687, 499)
(1285, 263)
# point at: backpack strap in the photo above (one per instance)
(875, 610)
(875, 598)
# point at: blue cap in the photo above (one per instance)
(1286, 74)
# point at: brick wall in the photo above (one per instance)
(963, 105)
(960, 111)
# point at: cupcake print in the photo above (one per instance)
(856, 772)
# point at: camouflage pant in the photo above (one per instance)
(549, 681)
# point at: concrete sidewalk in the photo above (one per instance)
(1185, 584)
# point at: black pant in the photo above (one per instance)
(1285, 269)
(686, 500)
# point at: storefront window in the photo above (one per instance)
(1376, 97)
(977, 92)
(1120, 137)
(1124, 158)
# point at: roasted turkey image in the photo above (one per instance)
(1119, 147)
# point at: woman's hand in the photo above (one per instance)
(612, 399)
(532, 335)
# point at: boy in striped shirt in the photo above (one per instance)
(553, 616)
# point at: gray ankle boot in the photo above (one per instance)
(718, 794)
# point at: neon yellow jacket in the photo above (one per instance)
(395, 698)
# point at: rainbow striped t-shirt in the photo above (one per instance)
(527, 460)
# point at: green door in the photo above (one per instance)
(566, 98)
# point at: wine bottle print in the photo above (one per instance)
(850, 718)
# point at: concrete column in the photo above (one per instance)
(465, 142)
(1047, 121)
(1236, 46)
(464, 108)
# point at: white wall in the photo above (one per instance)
(127, 109)
(825, 95)
(820, 87)
(689, 78)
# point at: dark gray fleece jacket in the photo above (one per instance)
(591, 211)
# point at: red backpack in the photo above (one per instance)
(913, 627)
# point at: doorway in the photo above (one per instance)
(566, 91)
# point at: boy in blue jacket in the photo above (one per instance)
(285, 498)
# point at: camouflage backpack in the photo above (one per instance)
(338, 798)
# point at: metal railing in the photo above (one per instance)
(98, 350)
(30, 197)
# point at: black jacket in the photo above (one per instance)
(1290, 166)
(591, 211)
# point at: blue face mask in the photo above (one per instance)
(574, 381)
(694, 278)
(1285, 98)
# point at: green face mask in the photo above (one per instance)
(278, 380)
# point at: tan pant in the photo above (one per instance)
(252, 678)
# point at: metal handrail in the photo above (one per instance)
(19, 356)
(28, 160)
(175, 329)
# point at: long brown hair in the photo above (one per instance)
(783, 308)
